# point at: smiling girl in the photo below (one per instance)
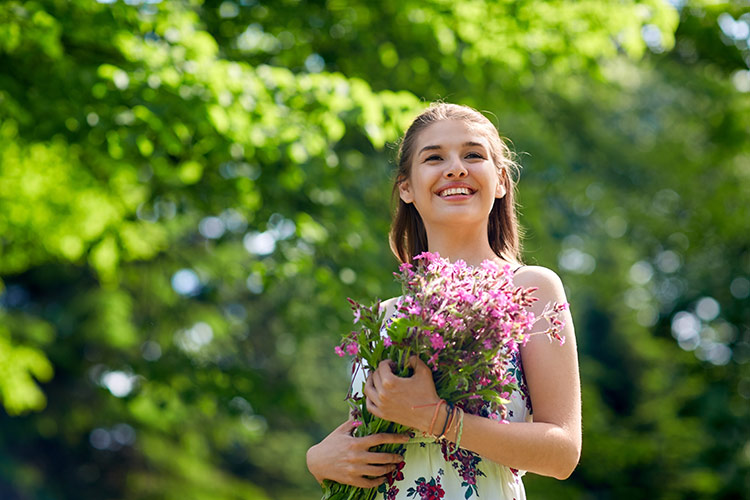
(456, 198)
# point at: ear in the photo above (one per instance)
(500, 190)
(405, 192)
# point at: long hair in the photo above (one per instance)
(408, 236)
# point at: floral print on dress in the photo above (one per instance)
(516, 371)
(427, 490)
(388, 488)
(465, 463)
(390, 493)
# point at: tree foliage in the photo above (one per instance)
(189, 191)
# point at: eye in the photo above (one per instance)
(433, 158)
(475, 155)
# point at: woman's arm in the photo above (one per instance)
(549, 446)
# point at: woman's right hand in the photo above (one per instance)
(346, 459)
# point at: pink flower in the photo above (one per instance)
(437, 341)
(387, 341)
(490, 267)
(339, 351)
(432, 361)
(357, 315)
(438, 321)
(352, 348)
(357, 423)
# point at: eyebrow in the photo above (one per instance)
(436, 147)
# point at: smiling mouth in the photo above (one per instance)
(456, 191)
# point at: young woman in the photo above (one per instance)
(456, 190)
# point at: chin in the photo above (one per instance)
(461, 220)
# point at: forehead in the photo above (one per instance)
(451, 133)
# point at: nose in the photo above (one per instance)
(456, 170)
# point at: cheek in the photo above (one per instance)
(420, 184)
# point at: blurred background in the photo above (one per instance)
(189, 190)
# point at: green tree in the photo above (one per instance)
(189, 190)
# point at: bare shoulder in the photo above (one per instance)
(546, 280)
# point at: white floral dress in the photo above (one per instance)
(432, 471)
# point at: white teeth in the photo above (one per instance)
(452, 191)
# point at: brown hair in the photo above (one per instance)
(408, 237)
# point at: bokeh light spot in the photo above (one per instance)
(347, 276)
(686, 328)
(151, 350)
(228, 10)
(259, 243)
(254, 283)
(100, 439)
(119, 383)
(668, 261)
(576, 261)
(740, 287)
(123, 434)
(211, 227)
(195, 338)
(707, 308)
(641, 272)
(186, 282)
(714, 352)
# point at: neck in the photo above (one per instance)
(469, 243)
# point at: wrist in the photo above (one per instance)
(429, 418)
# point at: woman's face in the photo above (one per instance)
(453, 179)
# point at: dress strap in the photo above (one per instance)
(519, 267)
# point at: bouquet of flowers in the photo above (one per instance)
(465, 323)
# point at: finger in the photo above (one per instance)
(346, 427)
(418, 365)
(380, 458)
(386, 377)
(373, 408)
(363, 482)
(386, 363)
(370, 390)
(378, 470)
(386, 367)
(376, 381)
(414, 361)
(384, 438)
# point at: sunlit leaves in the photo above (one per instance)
(20, 367)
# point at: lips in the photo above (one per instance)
(454, 190)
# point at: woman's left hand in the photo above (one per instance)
(408, 401)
